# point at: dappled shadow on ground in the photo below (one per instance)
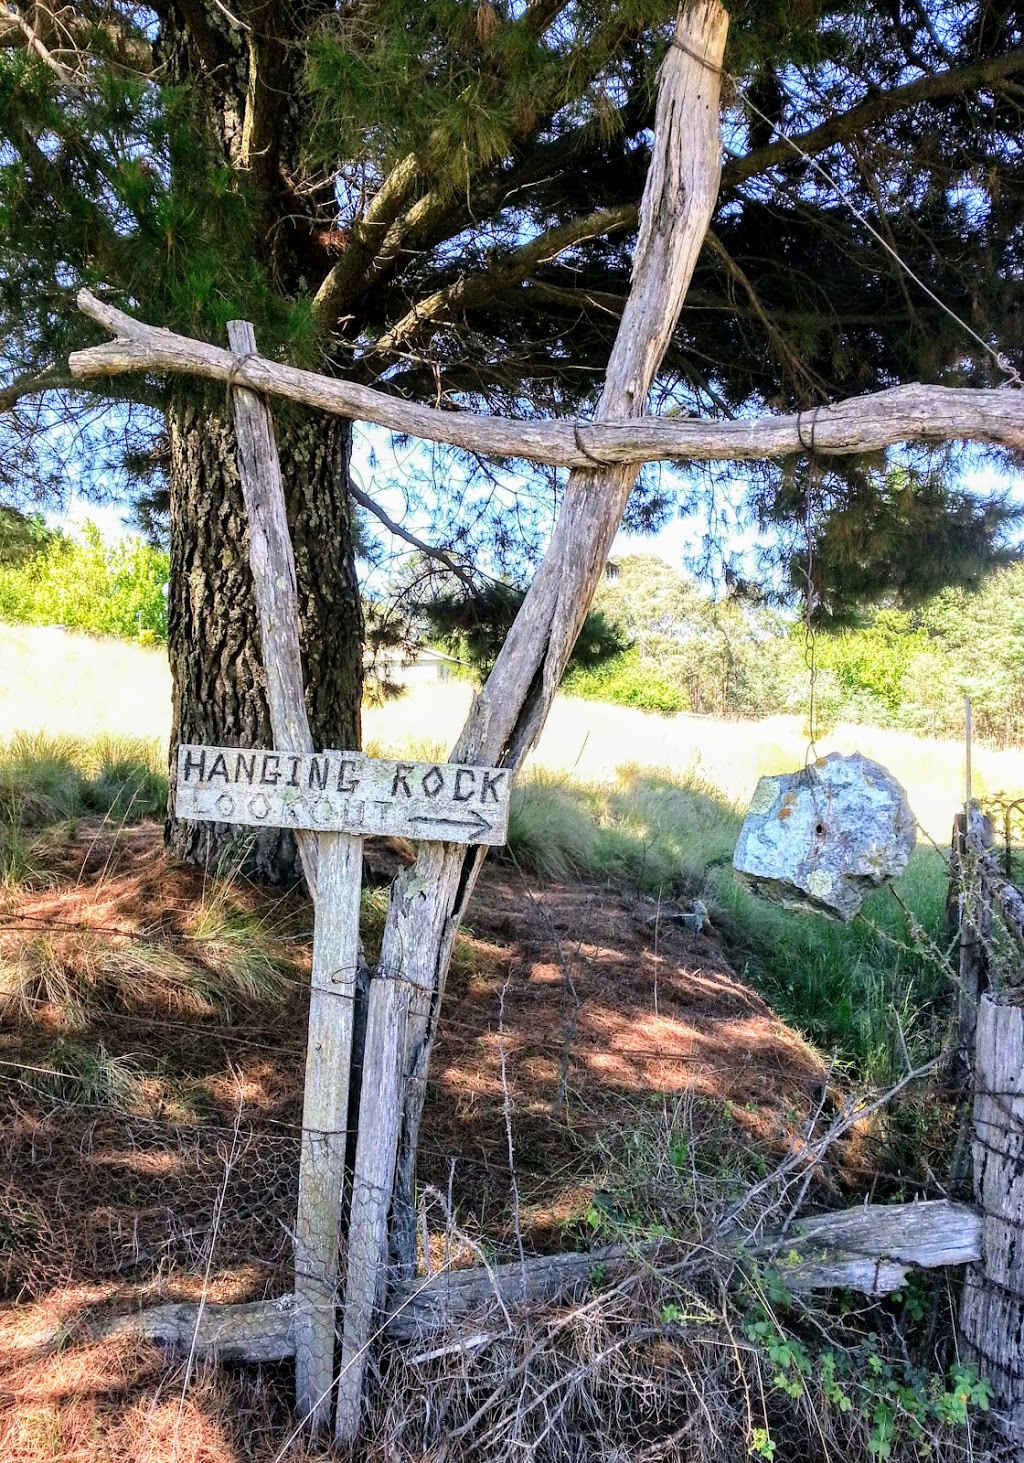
(151, 1121)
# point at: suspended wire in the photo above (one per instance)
(810, 637)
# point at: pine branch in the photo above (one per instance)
(874, 109)
(35, 44)
(575, 297)
(480, 289)
(398, 223)
(31, 384)
(539, 14)
(63, 35)
(780, 344)
(443, 556)
(365, 238)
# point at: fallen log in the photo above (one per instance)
(253, 1331)
(873, 1249)
(870, 1249)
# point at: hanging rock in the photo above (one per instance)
(821, 839)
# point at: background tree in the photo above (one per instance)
(440, 198)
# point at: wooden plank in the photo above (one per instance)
(252, 1331)
(873, 1247)
(335, 886)
(379, 1119)
(344, 792)
(325, 1121)
(272, 560)
(870, 1248)
(992, 1309)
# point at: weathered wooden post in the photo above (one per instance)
(969, 921)
(340, 796)
(332, 865)
(330, 801)
(992, 1310)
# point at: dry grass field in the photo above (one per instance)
(60, 683)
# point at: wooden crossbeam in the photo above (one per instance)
(915, 412)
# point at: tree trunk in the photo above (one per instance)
(219, 688)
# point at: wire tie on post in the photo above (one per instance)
(585, 450)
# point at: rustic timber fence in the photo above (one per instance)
(991, 1056)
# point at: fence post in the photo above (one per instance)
(992, 1310)
(969, 920)
(333, 866)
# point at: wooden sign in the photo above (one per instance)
(343, 792)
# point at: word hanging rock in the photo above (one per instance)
(343, 792)
(821, 839)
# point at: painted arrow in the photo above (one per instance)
(476, 824)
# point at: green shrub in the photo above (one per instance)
(47, 780)
(88, 584)
(909, 669)
(627, 679)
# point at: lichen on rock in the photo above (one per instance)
(822, 838)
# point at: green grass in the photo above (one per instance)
(78, 1074)
(860, 991)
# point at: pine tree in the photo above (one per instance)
(439, 197)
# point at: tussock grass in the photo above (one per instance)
(71, 978)
(551, 830)
(645, 830)
(240, 951)
(79, 1074)
(54, 779)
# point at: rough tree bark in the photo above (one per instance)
(239, 80)
(219, 695)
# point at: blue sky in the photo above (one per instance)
(674, 543)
